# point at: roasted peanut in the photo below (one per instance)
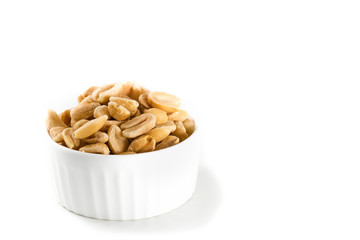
(53, 120)
(99, 148)
(65, 117)
(129, 104)
(69, 140)
(167, 142)
(118, 112)
(114, 91)
(101, 110)
(126, 88)
(79, 123)
(56, 134)
(96, 94)
(89, 91)
(165, 101)
(90, 127)
(180, 131)
(139, 125)
(189, 126)
(135, 92)
(84, 109)
(109, 123)
(98, 137)
(180, 115)
(141, 144)
(161, 116)
(117, 142)
(160, 132)
(144, 101)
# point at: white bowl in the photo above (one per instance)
(126, 187)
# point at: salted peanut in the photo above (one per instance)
(114, 91)
(165, 101)
(118, 112)
(169, 124)
(135, 92)
(99, 148)
(89, 91)
(84, 109)
(109, 123)
(53, 120)
(139, 125)
(79, 123)
(69, 140)
(101, 110)
(161, 116)
(98, 137)
(159, 134)
(127, 153)
(65, 117)
(117, 142)
(96, 94)
(126, 88)
(178, 116)
(90, 127)
(144, 101)
(141, 144)
(180, 131)
(56, 134)
(129, 104)
(167, 142)
(189, 126)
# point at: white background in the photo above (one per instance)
(275, 86)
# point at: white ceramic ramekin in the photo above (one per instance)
(126, 187)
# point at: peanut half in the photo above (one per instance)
(117, 142)
(99, 148)
(101, 110)
(180, 131)
(189, 126)
(69, 140)
(139, 125)
(129, 104)
(84, 109)
(162, 131)
(165, 101)
(118, 112)
(98, 137)
(141, 144)
(90, 127)
(167, 142)
(161, 116)
(180, 115)
(53, 120)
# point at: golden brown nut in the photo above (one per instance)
(180, 115)
(117, 142)
(162, 131)
(167, 142)
(143, 100)
(138, 126)
(102, 110)
(141, 144)
(129, 104)
(99, 148)
(53, 120)
(180, 131)
(118, 112)
(84, 110)
(79, 123)
(96, 94)
(161, 116)
(105, 95)
(90, 127)
(109, 123)
(65, 117)
(98, 137)
(189, 126)
(69, 140)
(165, 101)
(56, 134)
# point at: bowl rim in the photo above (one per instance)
(123, 156)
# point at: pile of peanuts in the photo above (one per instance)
(121, 118)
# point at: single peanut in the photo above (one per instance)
(143, 100)
(180, 131)
(139, 125)
(99, 148)
(65, 117)
(165, 101)
(114, 91)
(141, 144)
(167, 142)
(161, 116)
(53, 120)
(96, 94)
(118, 112)
(69, 140)
(79, 123)
(56, 134)
(117, 142)
(160, 132)
(101, 110)
(84, 109)
(129, 104)
(180, 115)
(189, 126)
(90, 127)
(98, 137)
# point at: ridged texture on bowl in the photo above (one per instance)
(126, 187)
